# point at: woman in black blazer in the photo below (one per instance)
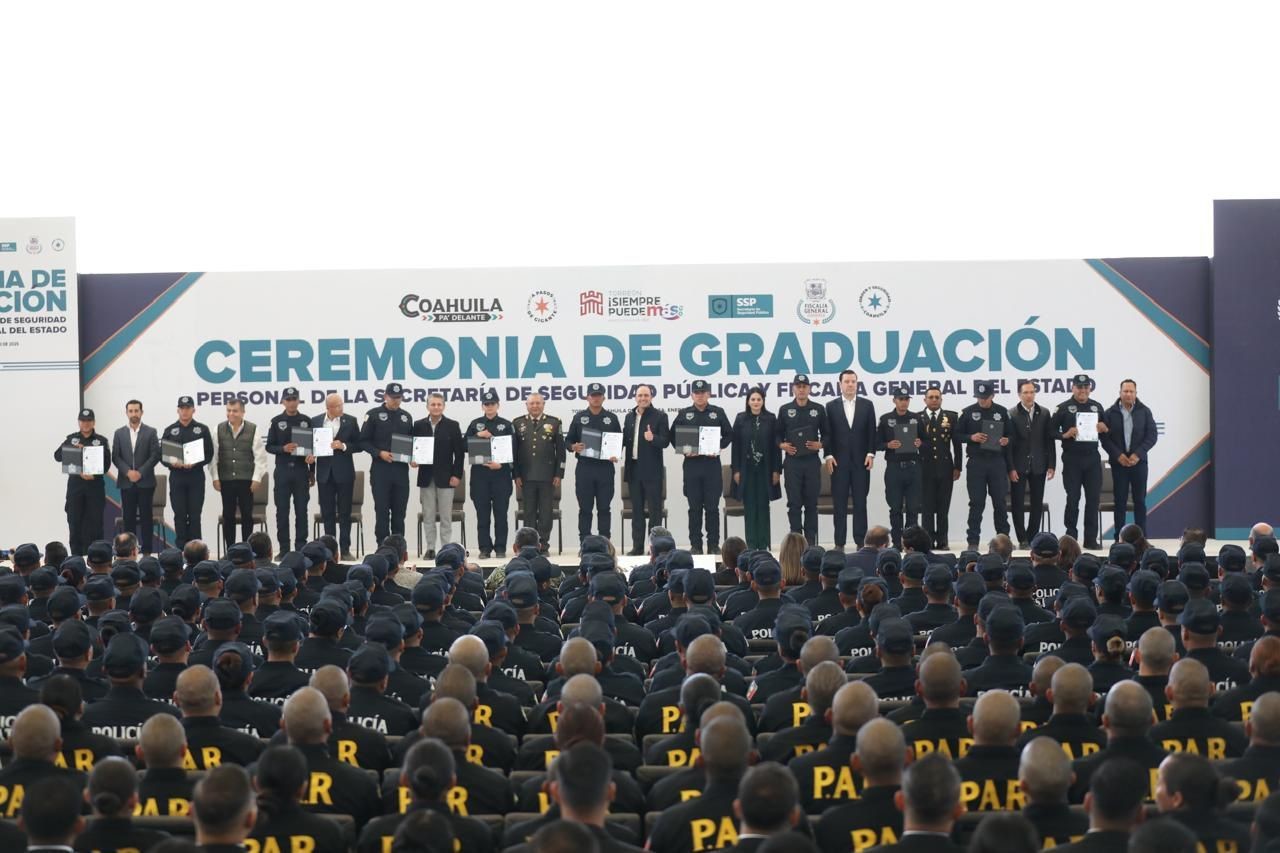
(756, 463)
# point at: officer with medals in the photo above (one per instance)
(186, 482)
(539, 464)
(942, 454)
(292, 474)
(389, 479)
(491, 481)
(989, 460)
(703, 481)
(902, 463)
(1081, 464)
(801, 469)
(594, 477)
(86, 493)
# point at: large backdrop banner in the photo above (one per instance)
(219, 336)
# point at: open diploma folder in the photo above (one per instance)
(424, 449)
(177, 453)
(797, 436)
(401, 449)
(1087, 426)
(907, 434)
(994, 431)
(496, 448)
(303, 437)
(601, 445)
(83, 460)
(322, 441)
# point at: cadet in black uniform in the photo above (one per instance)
(276, 679)
(209, 742)
(703, 481)
(1003, 668)
(491, 481)
(282, 824)
(942, 454)
(335, 787)
(872, 819)
(292, 474)
(593, 477)
(370, 707)
(86, 493)
(990, 461)
(902, 477)
(1081, 464)
(171, 641)
(389, 479)
(800, 466)
(120, 713)
(186, 482)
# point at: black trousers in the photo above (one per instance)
(291, 487)
(988, 475)
(389, 482)
(536, 506)
(802, 481)
(491, 497)
(936, 485)
(335, 511)
(902, 489)
(703, 486)
(1084, 474)
(135, 511)
(646, 507)
(1017, 496)
(86, 500)
(237, 500)
(850, 484)
(1130, 482)
(186, 496)
(593, 485)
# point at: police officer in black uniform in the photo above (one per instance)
(186, 482)
(120, 713)
(491, 481)
(369, 668)
(989, 460)
(703, 480)
(292, 475)
(902, 476)
(800, 466)
(1081, 464)
(594, 477)
(940, 464)
(389, 479)
(86, 493)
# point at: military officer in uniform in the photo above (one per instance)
(989, 460)
(902, 464)
(1081, 464)
(1034, 459)
(293, 475)
(644, 433)
(491, 481)
(942, 453)
(186, 482)
(594, 477)
(703, 480)
(389, 479)
(539, 464)
(801, 469)
(86, 493)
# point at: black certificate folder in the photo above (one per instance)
(479, 450)
(994, 431)
(685, 439)
(907, 434)
(797, 436)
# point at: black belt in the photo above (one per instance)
(903, 463)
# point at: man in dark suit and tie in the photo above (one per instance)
(1035, 456)
(942, 455)
(851, 451)
(335, 475)
(135, 452)
(644, 435)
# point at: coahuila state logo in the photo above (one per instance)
(874, 301)
(816, 309)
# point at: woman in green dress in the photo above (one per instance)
(756, 463)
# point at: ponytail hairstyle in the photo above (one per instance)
(1115, 646)
(869, 595)
(423, 831)
(1202, 788)
(229, 666)
(429, 770)
(112, 784)
(281, 773)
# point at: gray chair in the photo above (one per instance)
(357, 514)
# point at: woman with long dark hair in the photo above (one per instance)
(281, 781)
(756, 464)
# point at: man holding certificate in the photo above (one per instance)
(289, 440)
(644, 435)
(334, 438)
(85, 458)
(386, 432)
(595, 435)
(186, 446)
(803, 427)
(900, 435)
(984, 426)
(1077, 423)
(491, 448)
(438, 451)
(703, 483)
(239, 462)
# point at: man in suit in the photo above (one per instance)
(135, 452)
(644, 434)
(851, 451)
(437, 481)
(336, 474)
(1035, 457)
(1131, 433)
(539, 464)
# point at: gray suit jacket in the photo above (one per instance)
(147, 457)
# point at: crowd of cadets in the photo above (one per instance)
(870, 705)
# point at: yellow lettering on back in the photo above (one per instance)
(670, 716)
(318, 790)
(457, 800)
(484, 715)
(347, 752)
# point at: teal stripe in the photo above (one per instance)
(131, 331)
(1231, 533)
(1196, 349)
(1177, 477)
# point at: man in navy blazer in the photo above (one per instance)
(1131, 433)
(851, 451)
(336, 475)
(135, 452)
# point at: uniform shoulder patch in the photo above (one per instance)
(197, 430)
(282, 425)
(382, 416)
(174, 430)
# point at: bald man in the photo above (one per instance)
(659, 713)
(708, 822)
(786, 709)
(1257, 772)
(210, 742)
(1071, 726)
(348, 742)
(335, 473)
(477, 790)
(813, 731)
(942, 726)
(687, 784)
(581, 693)
(500, 710)
(1044, 775)
(699, 692)
(1191, 727)
(36, 740)
(1264, 677)
(990, 769)
(1040, 708)
(334, 787)
(826, 776)
(872, 819)
(165, 788)
(1126, 719)
(1157, 650)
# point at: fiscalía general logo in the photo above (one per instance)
(469, 309)
(815, 308)
(626, 305)
(33, 246)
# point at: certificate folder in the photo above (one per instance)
(994, 431)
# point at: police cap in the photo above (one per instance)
(99, 588)
(72, 639)
(126, 656)
(1172, 597)
(1044, 545)
(27, 555)
(522, 590)
(1200, 617)
(240, 554)
(98, 552)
